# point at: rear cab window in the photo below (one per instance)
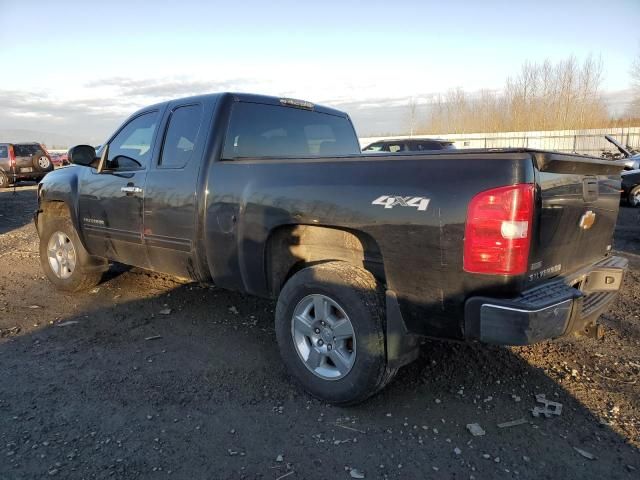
(262, 130)
(4, 151)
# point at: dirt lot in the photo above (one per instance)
(102, 385)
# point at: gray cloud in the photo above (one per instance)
(43, 117)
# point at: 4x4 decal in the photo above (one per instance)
(390, 201)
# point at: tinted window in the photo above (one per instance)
(181, 136)
(4, 152)
(26, 150)
(258, 130)
(428, 146)
(395, 147)
(374, 147)
(131, 147)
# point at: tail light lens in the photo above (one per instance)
(498, 231)
(12, 157)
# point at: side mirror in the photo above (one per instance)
(83, 155)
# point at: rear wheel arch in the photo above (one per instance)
(291, 248)
(357, 297)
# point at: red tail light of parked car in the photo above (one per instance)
(12, 157)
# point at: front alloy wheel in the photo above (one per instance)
(61, 254)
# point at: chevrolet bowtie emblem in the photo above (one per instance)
(587, 220)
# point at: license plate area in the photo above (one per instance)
(26, 170)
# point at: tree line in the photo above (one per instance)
(544, 96)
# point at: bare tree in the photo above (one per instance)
(634, 110)
(543, 96)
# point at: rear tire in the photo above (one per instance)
(634, 196)
(345, 293)
(63, 257)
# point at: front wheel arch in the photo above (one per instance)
(59, 209)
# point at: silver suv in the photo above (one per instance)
(23, 161)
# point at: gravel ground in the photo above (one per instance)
(103, 385)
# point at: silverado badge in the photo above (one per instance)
(587, 220)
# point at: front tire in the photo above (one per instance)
(63, 258)
(330, 330)
(4, 180)
(634, 196)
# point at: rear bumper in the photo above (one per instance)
(551, 310)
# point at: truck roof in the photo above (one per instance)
(255, 98)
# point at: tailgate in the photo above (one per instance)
(579, 200)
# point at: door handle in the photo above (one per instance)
(131, 189)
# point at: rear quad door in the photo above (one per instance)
(170, 203)
(111, 201)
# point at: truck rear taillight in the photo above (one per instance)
(12, 157)
(498, 231)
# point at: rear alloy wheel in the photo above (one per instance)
(634, 196)
(330, 330)
(323, 337)
(4, 180)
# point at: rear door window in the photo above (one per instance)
(181, 137)
(260, 130)
(4, 151)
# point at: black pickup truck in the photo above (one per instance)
(366, 254)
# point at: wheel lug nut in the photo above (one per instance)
(329, 346)
(320, 342)
(317, 330)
